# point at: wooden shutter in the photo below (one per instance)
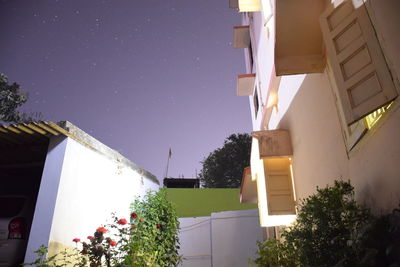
(361, 74)
(279, 186)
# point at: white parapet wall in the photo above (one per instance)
(224, 239)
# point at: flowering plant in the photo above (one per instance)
(149, 238)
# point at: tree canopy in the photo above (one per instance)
(10, 99)
(223, 168)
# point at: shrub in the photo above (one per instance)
(150, 239)
(155, 231)
(323, 233)
(379, 241)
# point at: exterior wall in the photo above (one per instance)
(307, 108)
(91, 187)
(320, 154)
(195, 241)
(224, 239)
(234, 237)
(45, 204)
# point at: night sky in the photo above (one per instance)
(141, 76)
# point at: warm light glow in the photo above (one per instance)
(272, 99)
(291, 174)
(249, 5)
(258, 174)
(275, 109)
(278, 220)
(374, 117)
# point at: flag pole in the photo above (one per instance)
(169, 156)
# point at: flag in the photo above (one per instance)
(169, 153)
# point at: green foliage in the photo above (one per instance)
(379, 241)
(10, 99)
(150, 239)
(223, 168)
(155, 232)
(323, 233)
(274, 253)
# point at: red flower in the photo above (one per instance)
(158, 226)
(140, 220)
(90, 237)
(122, 221)
(76, 240)
(133, 215)
(113, 243)
(102, 230)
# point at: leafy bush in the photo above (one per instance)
(379, 241)
(149, 239)
(323, 233)
(155, 235)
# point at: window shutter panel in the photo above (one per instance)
(361, 74)
(279, 186)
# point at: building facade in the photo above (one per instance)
(74, 181)
(322, 78)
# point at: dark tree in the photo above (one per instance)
(10, 99)
(223, 168)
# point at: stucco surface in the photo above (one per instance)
(91, 188)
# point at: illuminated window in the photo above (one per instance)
(372, 119)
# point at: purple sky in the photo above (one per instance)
(141, 76)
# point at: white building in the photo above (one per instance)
(76, 181)
(322, 79)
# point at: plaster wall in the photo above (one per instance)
(307, 108)
(320, 155)
(261, 32)
(91, 187)
(224, 239)
(47, 195)
(195, 241)
(234, 237)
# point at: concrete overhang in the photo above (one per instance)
(241, 36)
(249, 5)
(248, 187)
(299, 46)
(245, 84)
(275, 197)
(246, 5)
(233, 4)
(273, 143)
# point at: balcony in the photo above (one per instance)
(299, 46)
(271, 168)
(248, 187)
(246, 5)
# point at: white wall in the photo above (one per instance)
(91, 187)
(195, 241)
(307, 108)
(47, 195)
(234, 237)
(225, 239)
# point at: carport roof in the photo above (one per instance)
(39, 133)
